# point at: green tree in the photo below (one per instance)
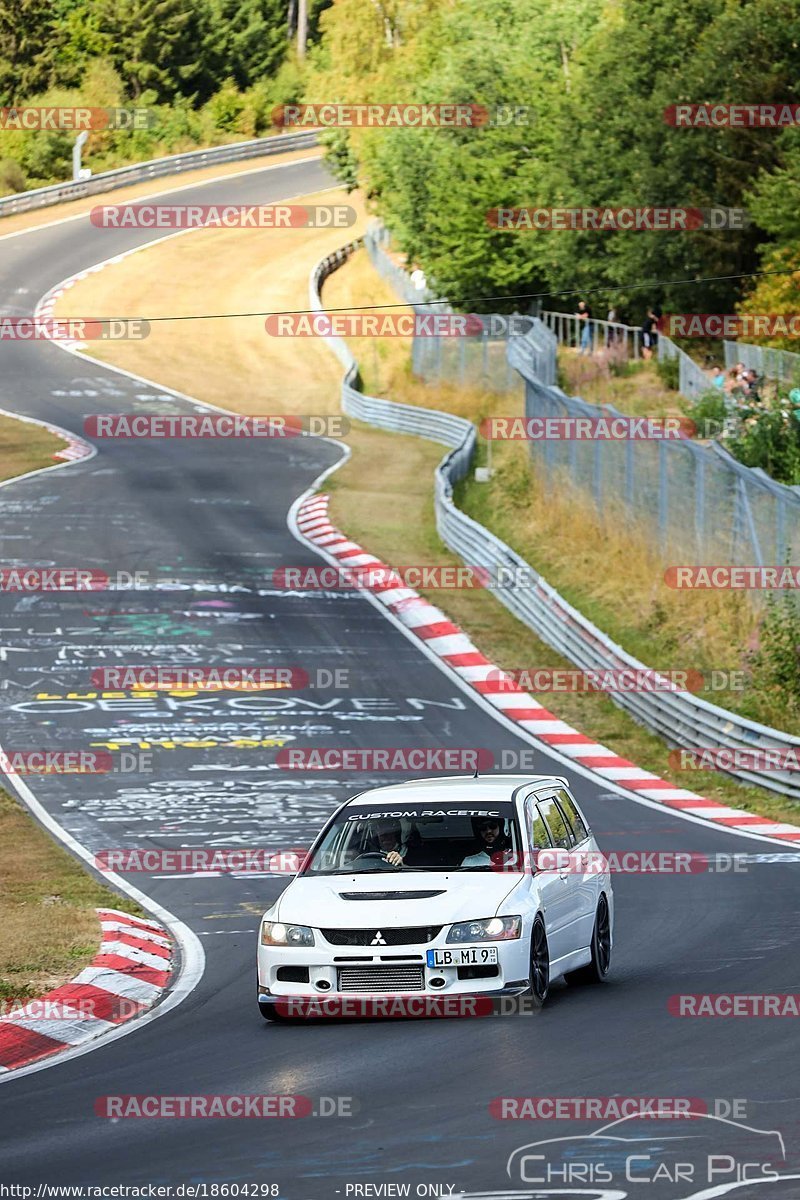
(158, 45)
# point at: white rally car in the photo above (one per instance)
(462, 886)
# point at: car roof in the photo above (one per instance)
(490, 788)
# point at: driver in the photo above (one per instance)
(390, 844)
(492, 842)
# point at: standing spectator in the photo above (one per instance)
(584, 315)
(612, 318)
(418, 279)
(649, 333)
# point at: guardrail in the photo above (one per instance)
(569, 328)
(692, 379)
(681, 719)
(155, 168)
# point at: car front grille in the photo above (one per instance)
(381, 937)
(381, 979)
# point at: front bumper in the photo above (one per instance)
(324, 962)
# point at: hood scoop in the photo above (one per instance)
(389, 895)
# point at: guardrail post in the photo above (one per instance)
(629, 473)
(663, 495)
(700, 502)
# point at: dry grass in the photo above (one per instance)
(231, 361)
(25, 447)
(383, 496)
(49, 929)
(639, 391)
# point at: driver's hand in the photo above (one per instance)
(394, 858)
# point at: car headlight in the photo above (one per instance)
(278, 933)
(489, 929)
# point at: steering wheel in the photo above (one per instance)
(374, 856)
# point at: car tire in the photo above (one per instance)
(271, 1013)
(540, 963)
(597, 970)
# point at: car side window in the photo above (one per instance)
(567, 805)
(560, 831)
(540, 838)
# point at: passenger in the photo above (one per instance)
(492, 843)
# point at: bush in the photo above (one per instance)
(12, 177)
(669, 372)
(708, 413)
(340, 158)
(776, 663)
(768, 436)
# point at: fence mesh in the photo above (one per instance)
(695, 499)
(690, 499)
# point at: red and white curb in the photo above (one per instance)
(128, 975)
(75, 448)
(449, 642)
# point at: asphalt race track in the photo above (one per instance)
(420, 1091)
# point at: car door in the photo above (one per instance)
(567, 873)
(585, 870)
(551, 881)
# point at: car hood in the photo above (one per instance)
(367, 901)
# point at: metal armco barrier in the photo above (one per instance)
(107, 181)
(680, 718)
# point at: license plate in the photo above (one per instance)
(464, 956)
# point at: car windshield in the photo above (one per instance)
(415, 837)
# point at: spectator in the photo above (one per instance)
(418, 279)
(584, 315)
(752, 383)
(649, 336)
(718, 378)
(613, 319)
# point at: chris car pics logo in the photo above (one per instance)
(652, 1155)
